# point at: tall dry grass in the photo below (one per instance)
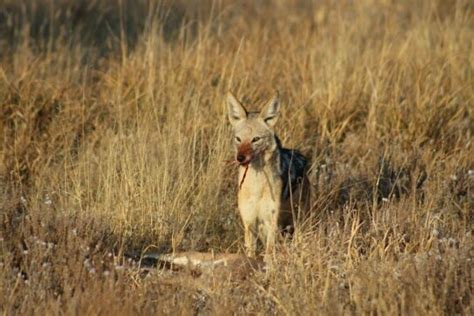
(114, 137)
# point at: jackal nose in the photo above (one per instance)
(240, 158)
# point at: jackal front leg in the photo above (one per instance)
(269, 230)
(250, 238)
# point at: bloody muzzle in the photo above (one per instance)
(244, 153)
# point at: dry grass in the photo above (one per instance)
(114, 137)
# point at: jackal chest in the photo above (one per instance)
(261, 190)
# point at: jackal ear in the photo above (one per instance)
(236, 111)
(271, 111)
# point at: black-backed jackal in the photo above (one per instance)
(273, 184)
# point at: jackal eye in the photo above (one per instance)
(255, 139)
(237, 139)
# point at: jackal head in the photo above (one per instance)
(253, 131)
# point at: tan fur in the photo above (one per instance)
(259, 199)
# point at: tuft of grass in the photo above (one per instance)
(114, 139)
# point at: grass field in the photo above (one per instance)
(114, 138)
